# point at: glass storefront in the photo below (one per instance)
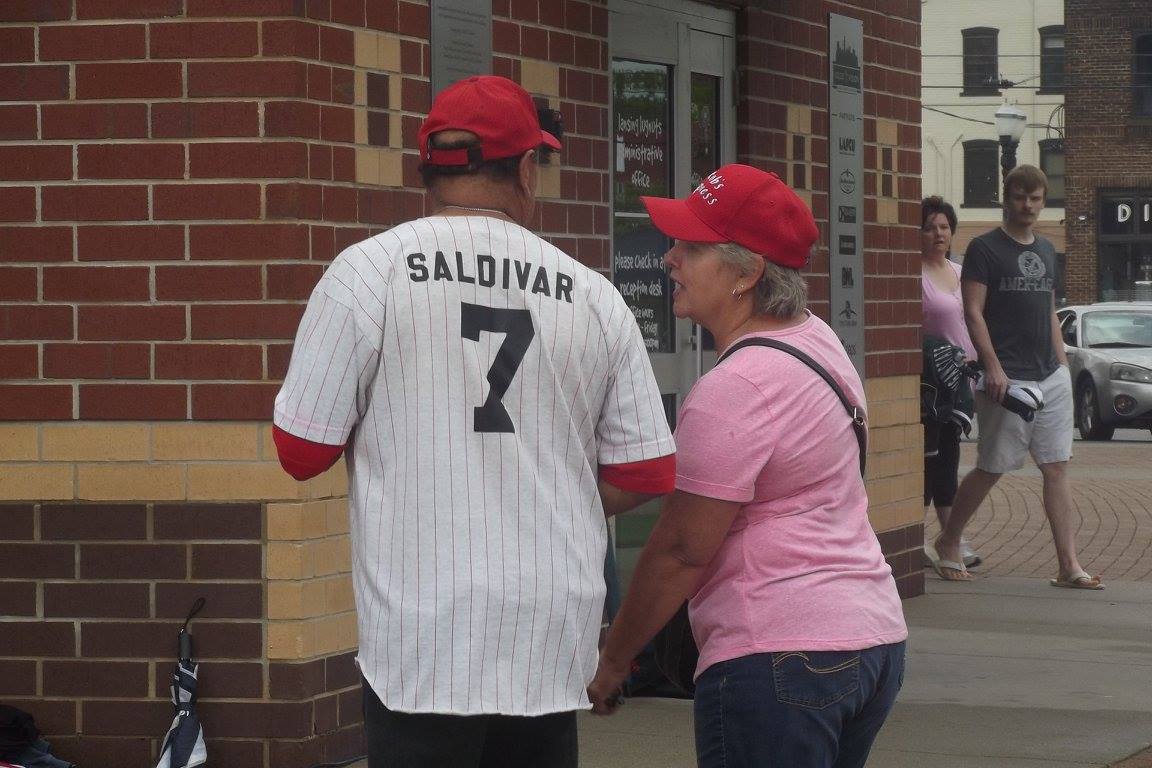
(1124, 246)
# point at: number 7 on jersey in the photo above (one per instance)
(516, 325)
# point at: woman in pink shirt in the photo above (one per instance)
(794, 609)
(944, 319)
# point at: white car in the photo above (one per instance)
(1109, 348)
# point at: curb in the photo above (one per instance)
(1142, 759)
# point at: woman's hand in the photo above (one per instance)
(605, 691)
(680, 548)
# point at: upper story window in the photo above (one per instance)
(981, 61)
(1052, 59)
(981, 187)
(1052, 163)
(1142, 76)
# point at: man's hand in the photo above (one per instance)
(605, 691)
(996, 383)
(617, 502)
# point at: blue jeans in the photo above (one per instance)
(796, 709)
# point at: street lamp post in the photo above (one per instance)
(1010, 122)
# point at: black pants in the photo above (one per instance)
(940, 470)
(405, 740)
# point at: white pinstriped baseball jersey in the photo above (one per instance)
(479, 376)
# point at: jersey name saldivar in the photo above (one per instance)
(489, 271)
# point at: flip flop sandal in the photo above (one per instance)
(1078, 580)
(970, 556)
(950, 565)
(930, 556)
(940, 566)
(971, 559)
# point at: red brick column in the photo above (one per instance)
(782, 56)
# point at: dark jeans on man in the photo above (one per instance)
(799, 709)
(406, 740)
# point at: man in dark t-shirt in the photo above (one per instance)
(1018, 280)
(1009, 305)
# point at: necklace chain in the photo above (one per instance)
(479, 210)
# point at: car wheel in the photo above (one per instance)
(1089, 417)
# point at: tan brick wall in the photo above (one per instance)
(111, 529)
(895, 478)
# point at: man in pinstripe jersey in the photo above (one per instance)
(494, 401)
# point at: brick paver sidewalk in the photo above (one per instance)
(1112, 493)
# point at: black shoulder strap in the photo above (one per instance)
(854, 412)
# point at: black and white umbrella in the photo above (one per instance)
(184, 744)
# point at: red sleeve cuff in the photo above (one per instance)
(652, 476)
(304, 459)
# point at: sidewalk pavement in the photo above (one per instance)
(1112, 504)
(1003, 672)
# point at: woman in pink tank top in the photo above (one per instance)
(944, 319)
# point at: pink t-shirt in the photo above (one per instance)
(800, 569)
(944, 314)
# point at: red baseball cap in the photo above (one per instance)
(744, 205)
(497, 110)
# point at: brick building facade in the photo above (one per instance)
(1108, 140)
(174, 175)
(958, 130)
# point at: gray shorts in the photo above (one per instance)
(1005, 438)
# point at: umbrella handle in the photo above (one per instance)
(185, 637)
(196, 608)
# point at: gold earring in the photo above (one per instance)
(737, 291)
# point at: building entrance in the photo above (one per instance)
(672, 122)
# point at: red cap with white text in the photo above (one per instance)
(744, 205)
(497, 110)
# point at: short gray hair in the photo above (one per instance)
(781, 292)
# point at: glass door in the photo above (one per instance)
(672, 123)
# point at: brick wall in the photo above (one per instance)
(783, 61)
(1105, 147)
(101, 590)
(783, 114)
(559, 52)
(93, 589)
(175, 175)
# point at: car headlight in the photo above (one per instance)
(1129, 372)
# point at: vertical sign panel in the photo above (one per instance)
(846, 182)
(461, 43)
